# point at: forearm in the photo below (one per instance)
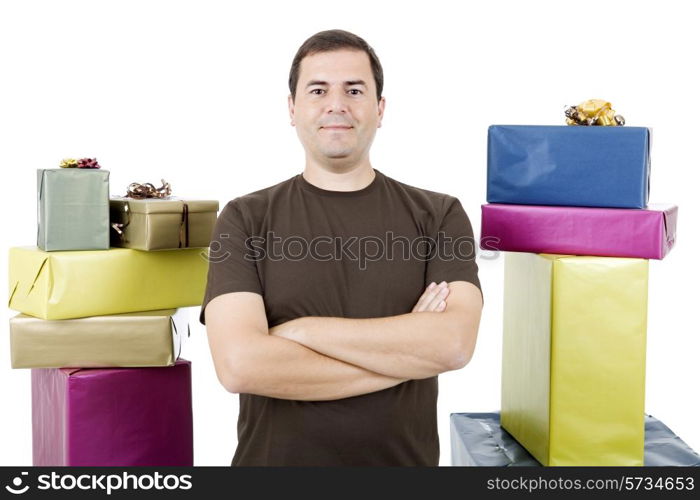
(280, 368)
(406, 346)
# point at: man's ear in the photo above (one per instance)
(382, 104)
(290, 105)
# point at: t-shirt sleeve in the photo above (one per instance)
(455, 256)
(229, 269)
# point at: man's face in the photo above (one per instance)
(335, 111)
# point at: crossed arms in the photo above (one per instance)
(323, 358)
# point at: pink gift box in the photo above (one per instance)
(611, 232)
(112, 417)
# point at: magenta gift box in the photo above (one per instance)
(611, 232)
(112, 417)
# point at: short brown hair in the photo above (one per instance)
(326, 41)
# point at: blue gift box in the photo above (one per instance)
(568, 165)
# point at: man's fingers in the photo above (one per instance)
(440, 296)
(425, 298)
(431, 298)
(421, 300)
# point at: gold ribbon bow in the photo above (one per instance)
(593, 112)
(69, 163)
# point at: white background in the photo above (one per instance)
(195, 92)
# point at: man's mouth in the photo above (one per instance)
(336, 127)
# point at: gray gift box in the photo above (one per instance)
(73, 209)
(478, 439)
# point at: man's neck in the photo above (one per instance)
(351, 178)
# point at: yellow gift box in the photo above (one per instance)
(76, 284)
(141, 339)
(574, 344)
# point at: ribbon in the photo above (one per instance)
(177, 336)
(69, 163)
(184, 226)
(593, 112)
(81, 163)
(119, 226)
(148, 190)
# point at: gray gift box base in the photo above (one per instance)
(477, 439)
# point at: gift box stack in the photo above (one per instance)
(568, 206)
(98, 322)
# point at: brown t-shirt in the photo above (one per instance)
(353, 254)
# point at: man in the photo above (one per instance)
(328, 308)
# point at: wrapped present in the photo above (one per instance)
(150, 338)
(604, 167)
(477, 439)
(73, 209)
(612, 232)
(157, 224)
(574, 346)
(112, 417)
(65, 285)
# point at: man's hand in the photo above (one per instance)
(433, 298)
(248, 360)
(407, 346)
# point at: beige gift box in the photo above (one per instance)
(160, 224)
(141, 339)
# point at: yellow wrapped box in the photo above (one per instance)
(76, 284)
(574, 344)
(149, 338)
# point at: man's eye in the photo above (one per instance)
(317, 91)
(355, 91)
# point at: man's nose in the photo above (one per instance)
(337, 101)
